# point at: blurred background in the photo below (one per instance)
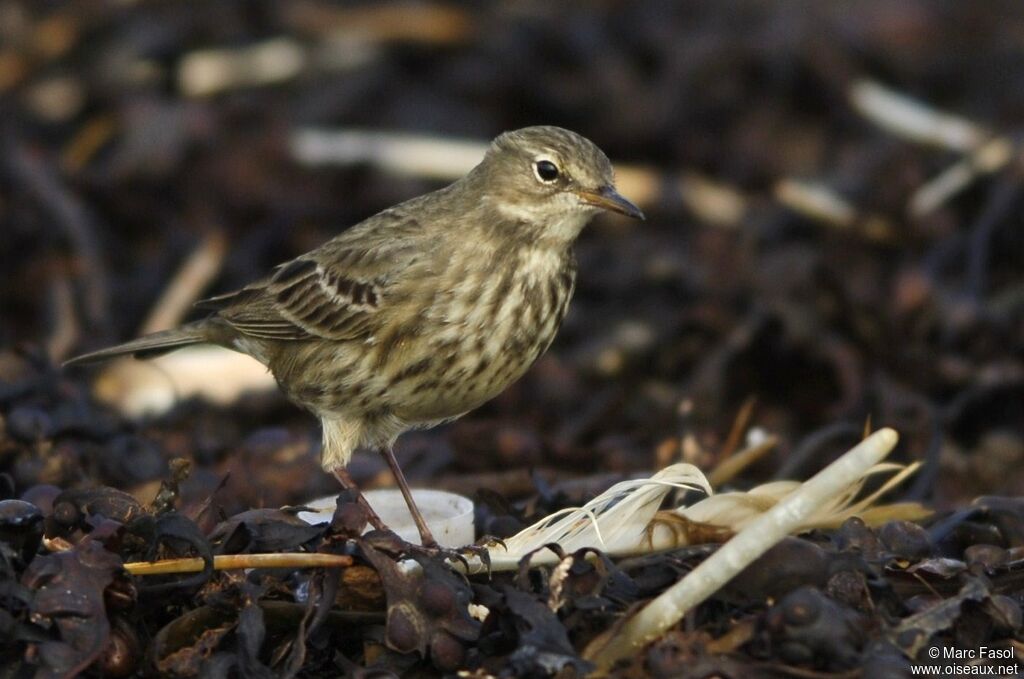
(834, 231)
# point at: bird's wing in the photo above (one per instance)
(334, 292)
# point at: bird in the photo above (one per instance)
(424, 311)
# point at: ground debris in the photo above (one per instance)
(834, 198)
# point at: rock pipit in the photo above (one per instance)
(426, 310)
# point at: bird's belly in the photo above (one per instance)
(473, 364)
(463, 381)
(448, 379)
(462, 350)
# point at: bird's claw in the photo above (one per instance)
(453, 555)
(390, 542)
(489, 541)
(480, 552)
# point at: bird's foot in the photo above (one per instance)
(478, 552)
(389, 541)
(488, 541)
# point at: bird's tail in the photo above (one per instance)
(148, 346)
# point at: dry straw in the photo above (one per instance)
(759, 534)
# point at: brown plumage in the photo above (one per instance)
(425, 310)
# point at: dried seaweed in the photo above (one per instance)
(834, 238)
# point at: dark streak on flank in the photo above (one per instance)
(417, 368)
(428, 385)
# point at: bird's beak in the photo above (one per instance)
(607, 198)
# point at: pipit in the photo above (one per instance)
(424, 311)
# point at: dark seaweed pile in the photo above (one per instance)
(114, 168)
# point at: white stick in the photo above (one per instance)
(816, 201)
(739, 552)
(201, 267)
(148, 388)
(913, 120)
(406, 154)
(207, 72)
(989, 158)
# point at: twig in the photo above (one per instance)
(341, 38)
(913, 120)
(427, 24)
(824, 205)
(65, 324)
(226, 562)
(739, 425)
(986, 159)
(815, 201)
(206, 72)
(739, 552)
(910, 119)
(34, 175)
(712, 201)
(400, 153)
(728, 468)
(201, 267)
(1003, 200)
(86, 142)
(222, 562)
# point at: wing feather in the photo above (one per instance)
(334, 292)
(304, 302)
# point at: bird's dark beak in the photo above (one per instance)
(607, 198)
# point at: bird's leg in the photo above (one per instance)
(426, 536)
(428, 543)
(346, 481)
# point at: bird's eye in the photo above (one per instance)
(546, 171)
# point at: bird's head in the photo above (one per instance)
(551, 178)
